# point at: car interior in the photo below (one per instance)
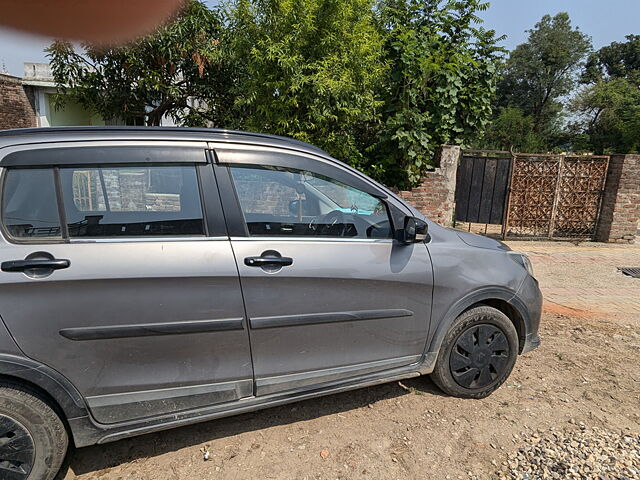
(307, 205)
(169, 206)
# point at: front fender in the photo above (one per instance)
(478, 296)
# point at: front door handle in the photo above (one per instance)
(268, 261)
(45, 263)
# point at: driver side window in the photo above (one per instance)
(294, 203)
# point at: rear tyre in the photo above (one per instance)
(33, 439)
(477, 353)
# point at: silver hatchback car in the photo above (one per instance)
(152, 278)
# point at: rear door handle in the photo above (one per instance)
(268, 261)
(22, 265)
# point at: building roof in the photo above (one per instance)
(10, 78)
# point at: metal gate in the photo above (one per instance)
(555, 196)
(482, 187)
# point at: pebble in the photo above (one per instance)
(580, 453)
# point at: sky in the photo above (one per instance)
(605, 21)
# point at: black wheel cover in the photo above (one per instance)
(17, 450)
(479, 356)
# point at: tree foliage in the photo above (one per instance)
(617, 60)
(377, 85)
(608, 107)
(611, 117)
(310, 69)
(178, 71)
(509, 129)
(540, 73)
(440, 85)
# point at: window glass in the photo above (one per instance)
(30, 208)
(132, 201)
(287, 202)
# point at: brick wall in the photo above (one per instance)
(162, 202)
(620, 210)
(16, 104)
(260, 196)
(435, 196)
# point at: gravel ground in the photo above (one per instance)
(582, 453)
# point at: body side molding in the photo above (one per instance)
(315, 318)
(269, 385)
(88, 433)
(151, 329)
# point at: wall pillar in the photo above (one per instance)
(620, 209)
(16, 103)
(435, 196)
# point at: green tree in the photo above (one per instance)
(379, 86)
(617, 60)
(608, 108)
(440, 85)
(511, 129)
(540, 73)
(310, 69)
(610, 113)
(179, 71)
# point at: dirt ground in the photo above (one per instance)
(587, 370)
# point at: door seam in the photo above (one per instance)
(210, 154)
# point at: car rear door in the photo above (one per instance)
(329, 293)
(117, 271)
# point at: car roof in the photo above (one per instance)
(21, 136)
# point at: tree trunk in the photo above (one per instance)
(154, 118)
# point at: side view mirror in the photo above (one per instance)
(415, 230)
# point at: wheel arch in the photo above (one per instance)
(46, 382)
(499, 298)
(512, 313)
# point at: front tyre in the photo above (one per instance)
(33, 439)
(477, 353)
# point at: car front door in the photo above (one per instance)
(329, 293)
(117, 272)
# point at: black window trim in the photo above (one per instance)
(104, 154)
(214, 224)
(62, 214)
(214, 220)
(234, 218)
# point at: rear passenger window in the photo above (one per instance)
(132, 201)
(29, 205)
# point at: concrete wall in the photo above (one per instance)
(16, 104)
(435, 196)
(70, 114)
(620, 211)
(37, 71)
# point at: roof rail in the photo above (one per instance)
(93, 129)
